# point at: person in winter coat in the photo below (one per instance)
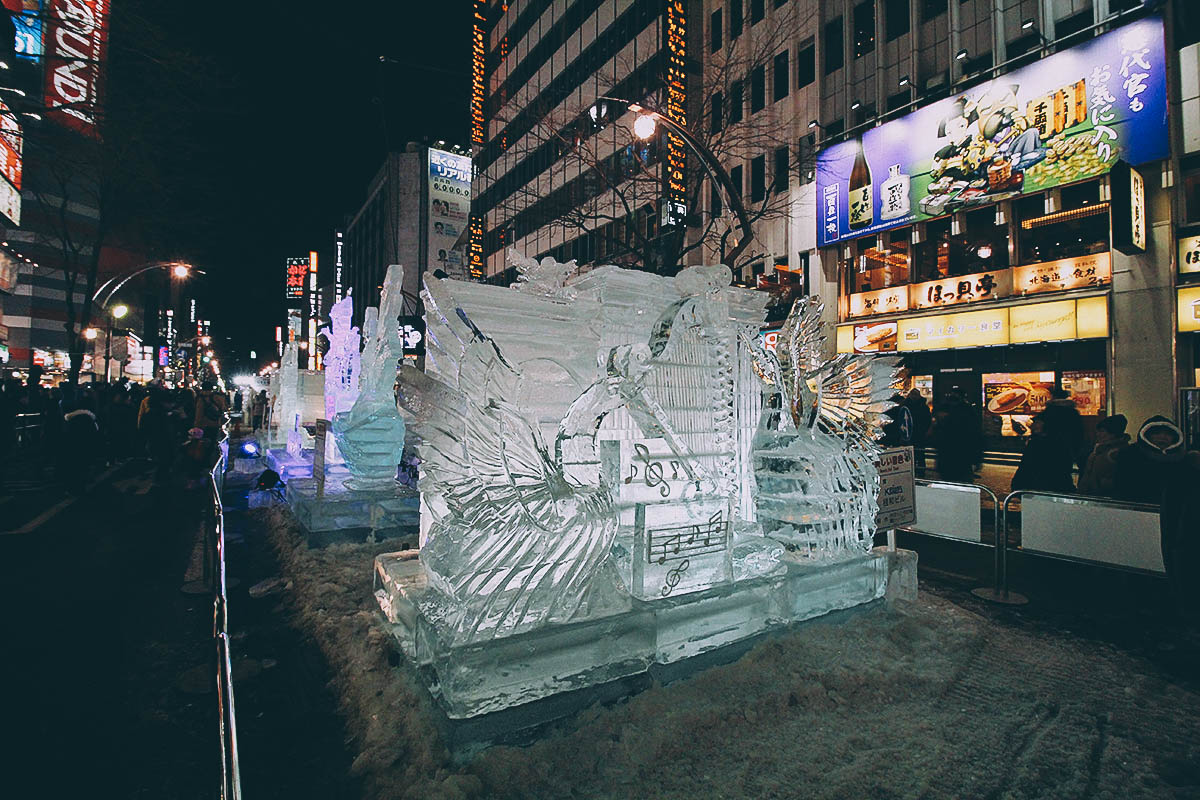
(958, 439)
(1046, 466)
(922, 421)
(1065, 425)
(1099, 477)
(1152, 462)
(897, 430)
(212, 409)
(80, 444)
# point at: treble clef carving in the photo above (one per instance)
(653, 475)
(674, 577)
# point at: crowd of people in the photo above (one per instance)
(1110, 465)
(68, 431)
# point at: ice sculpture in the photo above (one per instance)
(342, 359)
(589, 445)
(519, 543)
(287, 402)
(371, 434)
(814, 450)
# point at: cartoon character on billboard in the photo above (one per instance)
(1006, 129)
(958, 158)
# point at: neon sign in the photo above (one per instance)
(478, 77)
(676, 111)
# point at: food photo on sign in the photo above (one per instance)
(1068, 117)
(879, 337)
(1012, 399)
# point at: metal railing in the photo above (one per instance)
(1104, 502)
(231, 781)
(999, 589)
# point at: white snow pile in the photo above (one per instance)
(924, 701)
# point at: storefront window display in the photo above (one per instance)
(1079, 228)
(882, 262)
(931, 258)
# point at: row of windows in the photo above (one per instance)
(716, 27)
(635, 86)
(623, 30)
(729, 110)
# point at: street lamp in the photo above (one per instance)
(643, 127)
(178, 269)
(116, 312)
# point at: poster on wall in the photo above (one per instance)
(449, 206)
(1087, 390)
(1069, 116)
(1011, 399)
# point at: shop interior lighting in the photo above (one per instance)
(1064, 216)
(984, 251)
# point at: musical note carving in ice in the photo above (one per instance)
(515, 542)
(814, 451)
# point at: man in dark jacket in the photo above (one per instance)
(922, 421)
(1064, 425)
(957, 437)
(1046, 465)
(1153, 461)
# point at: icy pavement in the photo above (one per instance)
(930, 700)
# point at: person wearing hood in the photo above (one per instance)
(1152, 462)
(1099, 477)
(81, 435)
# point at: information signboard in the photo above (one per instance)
(897, 489)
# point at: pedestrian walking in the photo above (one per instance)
(80, 438)
(1099, 477)
(212, 409)
(1046, 466)
(958, 439)
(897, 430)
(922, 422)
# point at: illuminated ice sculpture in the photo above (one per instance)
(342, 359)
(814, 451)
(588, 462)
(370, 435)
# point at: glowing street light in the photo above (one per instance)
(119, 311)
(644, 126)
(90, 334)
(181, 270)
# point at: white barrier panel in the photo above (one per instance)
(947, 510)
(1084, 529)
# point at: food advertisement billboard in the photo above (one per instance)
(1012, 399)
(1069, 116)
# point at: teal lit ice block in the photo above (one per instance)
(395, 509)
(608, 641)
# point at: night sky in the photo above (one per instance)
(302, 113)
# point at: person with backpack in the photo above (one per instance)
(212, 409)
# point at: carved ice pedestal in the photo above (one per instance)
(619, 639)
(388, 513)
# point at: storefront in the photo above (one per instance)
(978, 236)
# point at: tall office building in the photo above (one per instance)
(557, 170)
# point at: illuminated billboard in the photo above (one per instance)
(296, 280)
(1067, 117)
(26, 17)
(76, 42)
(449, 207)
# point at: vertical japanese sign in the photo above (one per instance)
(339, 243)
(676, 111)
(1068, 117)
(314, 309)
(76, 41)
(478, 74)
(1128, 209)
(297, 269)
(475, 261)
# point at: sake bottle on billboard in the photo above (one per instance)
(860, 202)
(893, 195)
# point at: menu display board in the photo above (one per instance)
(879, 337)
(1082, 272)
(949, 331)
(1011, 399)
(1087, 389)
(879, 301)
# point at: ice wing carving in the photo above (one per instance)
(815, 450)
(547, 278)
(518, 543)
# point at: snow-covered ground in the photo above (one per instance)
(928, 700)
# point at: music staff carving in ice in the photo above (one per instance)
(515, 542)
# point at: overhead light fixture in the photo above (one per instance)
(904, 81)
(960, 55)
(4, 65)
(855, 106)
(812, 123)
(1027, 24)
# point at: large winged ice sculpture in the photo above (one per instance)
(815, 450)
(515, 542)
(545, 278)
